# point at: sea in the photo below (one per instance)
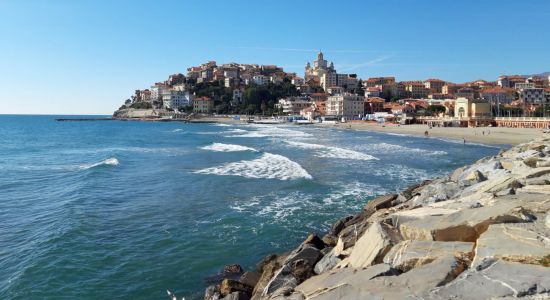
(128, 210)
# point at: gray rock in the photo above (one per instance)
(380, 202)
(329, 261)
(229, 286)
(237, 296)
(496, 279)
(283, 279)
(250, 278)
(436, 192)
(306, 252)
(297, 267)
(212, 293)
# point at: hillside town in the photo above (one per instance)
(324, 95)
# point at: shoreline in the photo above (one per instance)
(482, 135)
(501, 136)
(442, 238)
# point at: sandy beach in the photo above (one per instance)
(486, 135)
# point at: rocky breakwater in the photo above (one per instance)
(482, 232)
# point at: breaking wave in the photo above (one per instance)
(108, 162)
(332, 152)
(219, 147)
(269, 166)
(391, 147)
(271, 131)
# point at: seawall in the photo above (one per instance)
(481, 232)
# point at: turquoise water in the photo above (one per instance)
(127, 210)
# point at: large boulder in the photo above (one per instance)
(380, 202)
(411, 285)
(413, 254)
(329, 261)
(436, 192)
(250, 278)
(229, 286)
(373, 245)
(319, 284)
(464, 225)
(496, 279)
(513, 242)
(297, 267)
(237, 296)
(269, 266)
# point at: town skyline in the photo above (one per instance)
(85, 65)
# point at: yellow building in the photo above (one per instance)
(476, 112)
(203, 105)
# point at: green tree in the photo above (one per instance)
(435, 110)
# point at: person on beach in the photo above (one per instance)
(426, 133)
(464, 140)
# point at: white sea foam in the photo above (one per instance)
(332, 152)
(222, 125)
(108, 162)
(402, 173)
(355, 191)
(397, 148)
(237, 130)
(271, 131)
(219, 147)
(177, 130)
(270, 166)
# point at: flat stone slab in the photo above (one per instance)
(410, 285)
(420, 213)
(497, 279)
(329, 280)
(512, 243)
(412, 254)
(465, 225)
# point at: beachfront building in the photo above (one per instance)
(346, 105)
(374, 104)
(293, 105)
(532, 95)
(498, 95)
(476, 112)
(177, 100)
(203, 105)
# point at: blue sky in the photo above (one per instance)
(86, 57)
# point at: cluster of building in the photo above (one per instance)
(347, 97)
(176, 92)
(327, 93)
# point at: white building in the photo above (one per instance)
(177, 99)
(157, 91)
(293, 105)
(532, 95)
(346, 105)
(260, 79)
(524, 85)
